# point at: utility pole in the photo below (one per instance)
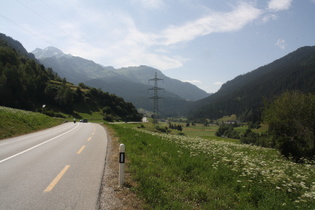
(155, 97)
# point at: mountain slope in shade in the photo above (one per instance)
(15, 45)
(245, 94)
(142, 74)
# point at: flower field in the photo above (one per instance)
(179, 172)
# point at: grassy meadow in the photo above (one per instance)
(15, 122)
(188, 172)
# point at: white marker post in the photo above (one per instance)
(121, 164)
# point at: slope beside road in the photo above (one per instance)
(58, 168)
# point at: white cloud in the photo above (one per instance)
(269, 17)
(150, 4)
(277, 5)
(213, 23)
(119, 42)
(218, 83)
(131, 47)
(193, 81)
(143, 57)
(83, 49)
(134, 47)
(71, 29)
(281, 43)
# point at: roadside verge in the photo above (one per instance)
(111, 196)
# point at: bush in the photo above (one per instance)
(176, 127)
(51, 113)
(255, 125)
(181, 133)
(163, 130)
(110, 118)
(227, 131)
(292, 125)
(221, 130)
(253, 138)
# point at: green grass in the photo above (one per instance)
(262, 129)
(206, 132)
(197, 130)
(241, 129)
(15, 122)
(182, 172)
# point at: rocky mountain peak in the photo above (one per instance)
(48, 52)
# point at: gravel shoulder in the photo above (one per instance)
(111, 196)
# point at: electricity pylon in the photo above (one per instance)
(155, 97)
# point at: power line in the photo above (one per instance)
(48, 21)
(42, 17)
(20, 26)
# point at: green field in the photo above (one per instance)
(185, 172)
(15, 122)
(197, 130)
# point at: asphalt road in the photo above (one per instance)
(58, 168)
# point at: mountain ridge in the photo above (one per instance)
(48, 52)
(245, 94)
(15, 45)
(131, 83)
(98, 71)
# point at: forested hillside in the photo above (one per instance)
(245, 95)
(15, 45)
(27, 85)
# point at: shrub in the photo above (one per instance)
(163, 130)
(221, 130)
(227, 131)
(253, 138)
(292, 125)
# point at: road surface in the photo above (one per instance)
(58, 168)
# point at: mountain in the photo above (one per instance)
(8, 41)
(77, 69)
(26, 84)
(74, 69)
(130, 83)
(245, 94)
(48, 52)
(142, 74)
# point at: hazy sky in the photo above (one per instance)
(205, 42)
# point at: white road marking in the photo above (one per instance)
(29, 149)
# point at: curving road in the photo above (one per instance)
(58, 168)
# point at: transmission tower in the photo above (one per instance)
(155, 97)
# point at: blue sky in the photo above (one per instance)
(203, 42)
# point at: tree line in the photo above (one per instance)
(291, 130)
